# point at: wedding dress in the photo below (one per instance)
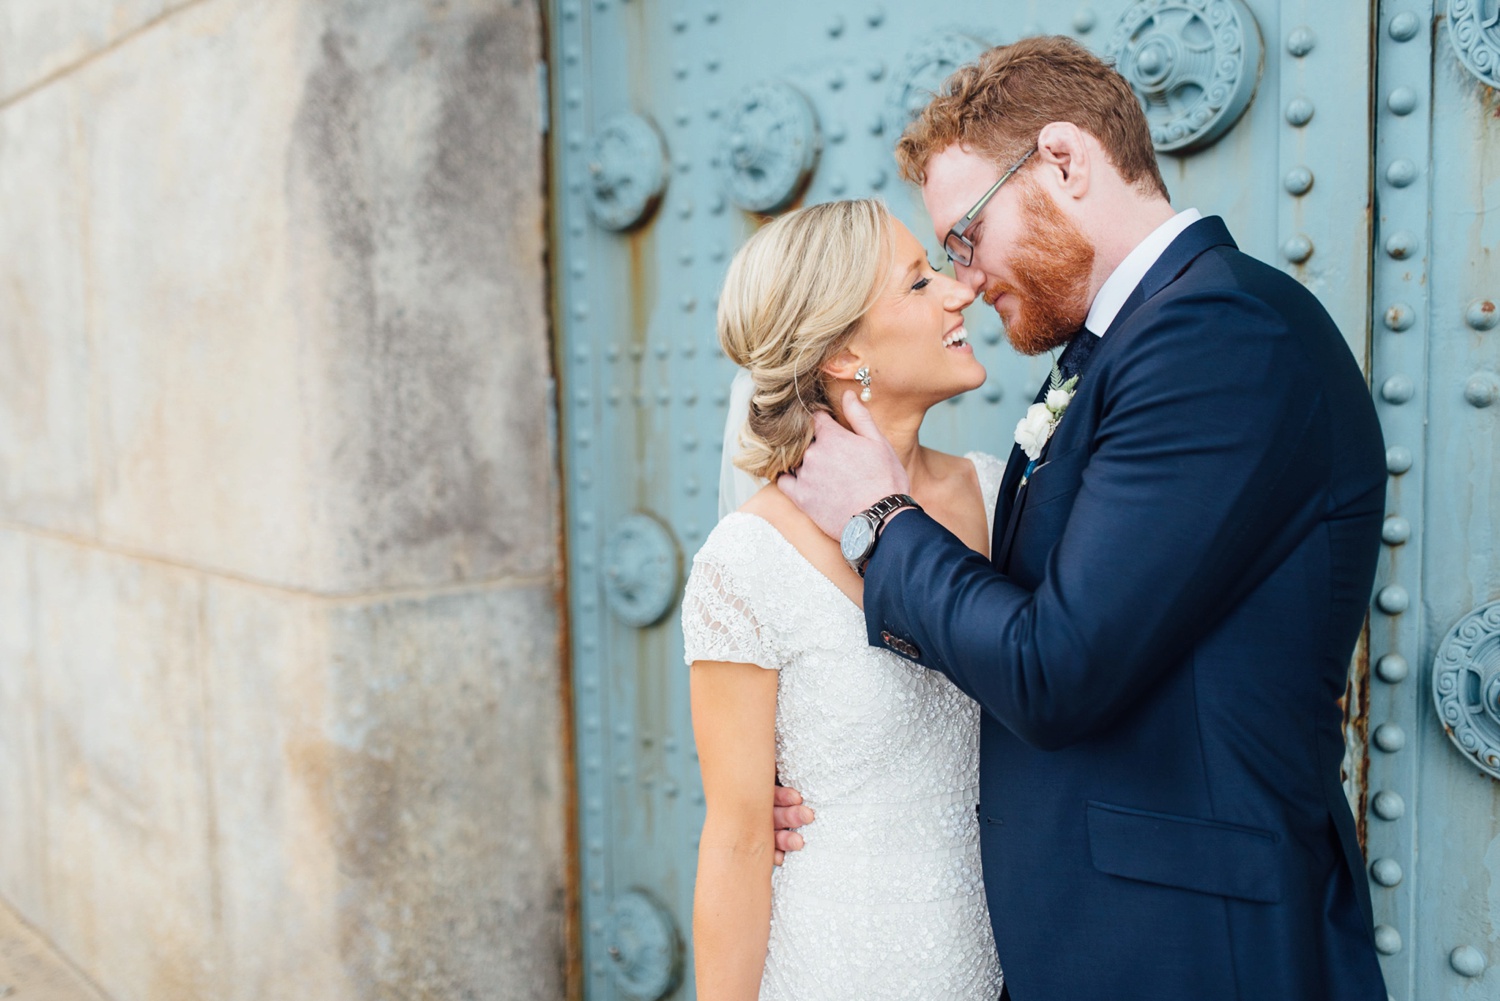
(886, 900)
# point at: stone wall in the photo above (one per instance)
(280, 680)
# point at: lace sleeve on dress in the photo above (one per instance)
(991, 472)
(718, 621)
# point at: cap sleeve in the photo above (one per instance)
(719, 620)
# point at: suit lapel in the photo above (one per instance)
(1191, 243)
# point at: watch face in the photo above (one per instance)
(856, 540)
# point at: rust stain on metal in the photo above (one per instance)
(1356, 707)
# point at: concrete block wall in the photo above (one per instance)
(281, 708)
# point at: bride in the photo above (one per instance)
(886, 899)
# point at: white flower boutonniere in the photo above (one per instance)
(1041, 419)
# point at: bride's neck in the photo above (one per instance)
(902, 430)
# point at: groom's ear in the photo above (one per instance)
(1066, 158)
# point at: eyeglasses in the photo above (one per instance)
(959, 248)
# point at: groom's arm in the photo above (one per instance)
(1205, 445)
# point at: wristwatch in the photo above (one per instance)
(857, 543)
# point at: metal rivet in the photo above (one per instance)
(1393, 599)
(682, 117)
(1299, 112)
(689, 397)
(1301, 41)
(1481, 389)
(1386, 871)
(663, 349)
(1389, 737)
(877, 179)
(681, 70)
(688, 350)
(837, 184)
(1397, 459)
(689, 442)
(1398, 389)
(836, 79)
(685, 258)
(1467, 961)
(837, 134)
(876, 125)
(1387, 940)
(1392, 669)
(570, 11)
(1401, 173)
(836, 26)
(1388, 805)
(571, 54)
(711, 15)
(994, 393)
(1298, 181)
(1297, 248)
(1404, 26)
(1395, 531)
(1401, 244)
(876, 71)
(1402, 101)
(1399, 316)
(663, 397)
(1084, 21)
(680, 23)
(612, 352)
(876, 17)
(689, 303)
(1481, 314)
(711, 64)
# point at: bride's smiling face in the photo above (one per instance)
(913, 338)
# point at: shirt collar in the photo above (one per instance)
(1123, 280)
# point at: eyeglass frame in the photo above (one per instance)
(958, 228)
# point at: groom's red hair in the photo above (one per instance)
(998, 104)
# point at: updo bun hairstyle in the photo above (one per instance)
(792, 299)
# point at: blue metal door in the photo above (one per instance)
(677, 126)
(1434, 706)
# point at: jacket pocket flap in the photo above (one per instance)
(1206, 856)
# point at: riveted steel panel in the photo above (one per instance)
(674, 123)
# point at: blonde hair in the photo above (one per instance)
(792, 299)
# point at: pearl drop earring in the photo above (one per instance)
(863, 375)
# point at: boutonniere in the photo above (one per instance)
(1035, 429)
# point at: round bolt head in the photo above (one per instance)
(1084, 21)
(1392, 668)
(1482, 314)
(1301, 41)
(1298, 181)
(1387, 940)
(1402, 101)
(1395, 531)
(1399, 316)
(1388, 805)
(1389, 737)
(1401, 172)
(1481, 389)
(1398, 389)
(1404, 26)
(1299, 112)
(1393, 599)
(1297, 249)
(1398, 459)
(1467, 961)
(1386, 871)
(1401, 244)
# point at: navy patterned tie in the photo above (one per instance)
(1076, 355)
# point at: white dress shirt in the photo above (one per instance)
(1123, 280)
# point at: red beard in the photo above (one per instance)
(1053, 263)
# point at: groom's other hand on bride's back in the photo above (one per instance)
(844, 471)
(789, 814)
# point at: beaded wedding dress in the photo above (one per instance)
(886, 900)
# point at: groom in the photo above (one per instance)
(1180, 567)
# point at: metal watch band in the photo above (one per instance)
(878, 514)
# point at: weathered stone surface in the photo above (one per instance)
(127, 818)
(327, 367)
(22, 835)
(46, 446)
(39, 40)
(31, 970)
(391, 798)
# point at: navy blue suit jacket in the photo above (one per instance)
(1159, 644)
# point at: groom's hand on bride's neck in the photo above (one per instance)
(844, 471)
(787, 815)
